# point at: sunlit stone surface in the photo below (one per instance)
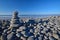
(30, 28)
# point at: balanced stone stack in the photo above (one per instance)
(15, 24)
(15, 21)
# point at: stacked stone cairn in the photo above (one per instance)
(14, 25)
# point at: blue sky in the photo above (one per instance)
(30, 7)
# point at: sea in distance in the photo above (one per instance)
(24, 16)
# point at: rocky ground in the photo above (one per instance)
(32, 29)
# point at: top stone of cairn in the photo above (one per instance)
(15, 15)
